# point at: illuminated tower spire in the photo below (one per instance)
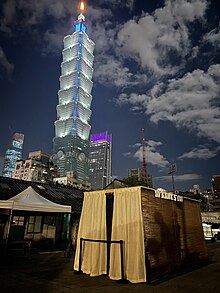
(72, 127)
(82, 6)
(81, 17)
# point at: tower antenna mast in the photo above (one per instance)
(144, 164)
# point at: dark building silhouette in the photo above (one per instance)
(216, 193)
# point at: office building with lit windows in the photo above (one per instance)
(215, 202)
(72, 128)
(100, 160)
(37, 168)
(13, 154)
(137, 173)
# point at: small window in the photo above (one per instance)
(18, 221)
(34, 224)
(50, 220)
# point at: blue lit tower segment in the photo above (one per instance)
(72, 128)
(13, 154)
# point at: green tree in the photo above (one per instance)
(133, 181)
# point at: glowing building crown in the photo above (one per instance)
(79, 25)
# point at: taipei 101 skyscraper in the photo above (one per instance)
(72, 128)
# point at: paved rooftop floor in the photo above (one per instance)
(51, 272)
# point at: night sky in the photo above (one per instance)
(157, 67)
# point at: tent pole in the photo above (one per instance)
(9, 222)
(122, 260)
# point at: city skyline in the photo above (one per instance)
(156, 67)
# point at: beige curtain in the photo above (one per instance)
(93, 226)
(127, 225)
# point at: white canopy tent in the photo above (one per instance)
(30, 200)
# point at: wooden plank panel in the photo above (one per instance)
(170, 229)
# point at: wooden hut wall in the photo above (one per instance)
(195, 243)
(168, 228)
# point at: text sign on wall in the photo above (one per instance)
(168, 195)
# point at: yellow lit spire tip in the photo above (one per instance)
(82, 6)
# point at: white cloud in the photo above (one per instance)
(195, 52)
(53, 40)
(213, 37)
(153, 144)
(153, 38)
(110, 71)
(190, 102)
(202, 152)
(35, 12)
(8, 15)
(132, 99)
(62, 15)
(118, 3)
(103, 35)
(136, 145)
(152, 41)
(148, 40)
(153, 157)
(180, 178)
(128, 154)
(8, 66)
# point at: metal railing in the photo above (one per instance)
(120, 242)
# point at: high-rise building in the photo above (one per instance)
(137, 173)
(216, 193)
(13, 153)
(195, 189)
(100, 160)
(72, 128)
(37, 167)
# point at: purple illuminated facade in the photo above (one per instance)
(100, 160)
(103, 136)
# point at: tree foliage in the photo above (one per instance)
(133, 181)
